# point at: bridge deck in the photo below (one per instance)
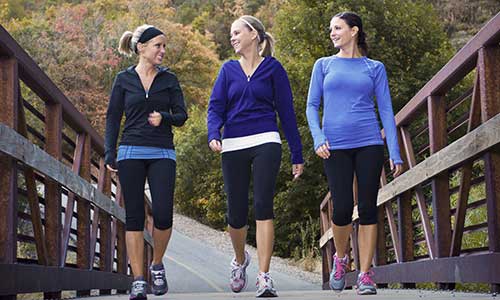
(321, 295)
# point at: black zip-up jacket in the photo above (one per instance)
(128, 95)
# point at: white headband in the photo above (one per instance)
(248, 23)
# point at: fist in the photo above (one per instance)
(154, 119)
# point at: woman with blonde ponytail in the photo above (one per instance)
(247, 96)
(151, 99)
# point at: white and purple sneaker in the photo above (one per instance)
(238, 280)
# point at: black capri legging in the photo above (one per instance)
(263, 162)
(367, 163)
(161, 178)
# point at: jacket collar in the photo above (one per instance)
(160, 69)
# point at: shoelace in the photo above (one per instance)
(265, 283)
(237, 270)
(339, 268)
(366, 279)
(158, 275)
(137, 286)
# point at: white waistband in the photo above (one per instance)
(244, 142)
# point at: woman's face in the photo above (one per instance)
(340, 33)
(153, 50)
(241, 36)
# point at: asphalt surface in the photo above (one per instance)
(193, 267)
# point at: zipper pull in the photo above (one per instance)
(147, 94)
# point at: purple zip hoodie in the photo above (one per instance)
(246, 106)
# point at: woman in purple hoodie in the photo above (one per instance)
(247, 95)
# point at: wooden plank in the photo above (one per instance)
(53, 147)
(405, 226)
(489, 65)
(482, 268)
(325, 237)
(17, 146)
(24, 278)
(466, 176)
(9, 87)
(489, 81)
(422, 207)
(121, 248)
(83, 215)
(105, 258)
(32, 195)
(96, 215)
(380, 257)
(440, 183)
(70, 203)
(23, 150)
(469, 146)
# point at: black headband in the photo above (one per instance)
(148, 34)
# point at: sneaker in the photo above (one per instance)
(265, 286)
(365, 283)
(139, 290)
(238, 281)
(337, 276)
(159, 279)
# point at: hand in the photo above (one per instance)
(111, 169)
(297, 170)
(215, 145)
(323, 151)
(154, 119)
(397, 168)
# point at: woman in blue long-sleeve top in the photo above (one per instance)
(349, 139)
(247, 96)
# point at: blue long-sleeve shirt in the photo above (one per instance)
(347, 87)
(248, 106)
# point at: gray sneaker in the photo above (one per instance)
(159, 279)
(365, 284)
(337, 276)
(138, 291)
(265, 286)
(238, 280)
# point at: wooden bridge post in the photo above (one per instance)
(488, 65)
(9, 87)
(121, 248)
(440, 184)
(105, 259)
(83, 217)
(53, 146)
(405, 220)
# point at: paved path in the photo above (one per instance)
(321, 295)
(194, 267)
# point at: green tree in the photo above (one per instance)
(199, 191)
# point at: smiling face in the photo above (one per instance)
(341, 34)
(153, 50)
(242, 37)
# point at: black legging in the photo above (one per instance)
(262, 163)
(161, 178)
(367, 163)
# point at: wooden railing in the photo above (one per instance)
(51, 164)
(449, 136)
